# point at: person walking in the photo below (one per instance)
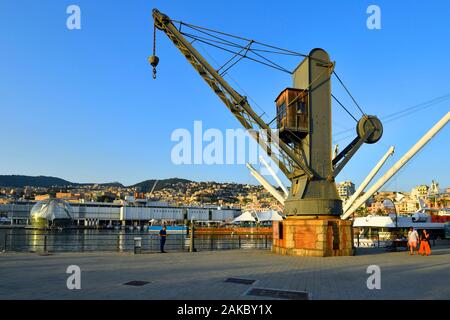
(413, 238)
(163, 236)
(425, 243)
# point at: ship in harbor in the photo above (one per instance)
(392, 226)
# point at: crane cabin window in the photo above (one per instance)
(281, 115)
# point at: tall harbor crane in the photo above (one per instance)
(301, 145)
(302, 148)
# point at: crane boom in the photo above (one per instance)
(277, 195)
(154, 186)
(288, 160)
(274, 175)
(367, 180)
(398, 165)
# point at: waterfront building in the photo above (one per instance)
(51, 213)
(346, 189)
(420, 192)
(41, 197)
(433, 191)
(407, 206)
(93, 214)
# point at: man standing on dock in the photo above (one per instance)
(163, 235)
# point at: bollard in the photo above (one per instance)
(182, 242)
(6, 242)
(191, 244)
(45, 243)
(358, 240)
(378, 237)
(118, 243)
(265, 244)
(137, 245)
(211, 243)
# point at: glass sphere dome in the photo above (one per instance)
(51, 212)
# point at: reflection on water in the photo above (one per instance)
(80, 240)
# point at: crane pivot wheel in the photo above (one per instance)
(367, 123)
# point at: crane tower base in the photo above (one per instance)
(313, 237)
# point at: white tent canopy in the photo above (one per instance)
(270, 215)
(245, 217)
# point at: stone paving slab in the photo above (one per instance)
(201, 275)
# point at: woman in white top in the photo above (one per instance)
(413, 238)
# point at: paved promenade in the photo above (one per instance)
(201, 275)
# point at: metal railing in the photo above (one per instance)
(126, 242)
(372, 240)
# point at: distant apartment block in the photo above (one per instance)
(346, 189)
(40, 197)
(420, 192)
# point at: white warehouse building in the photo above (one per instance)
(98, 213)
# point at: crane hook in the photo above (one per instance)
(153, 59)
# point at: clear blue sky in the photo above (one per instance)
(82, 104)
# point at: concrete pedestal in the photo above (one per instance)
(321, 237)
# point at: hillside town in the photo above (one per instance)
(178, 192)
(405, 202)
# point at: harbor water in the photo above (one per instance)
(79, 240)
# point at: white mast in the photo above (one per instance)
(399, 164)
(274, 175)
(266, 184)
(367, 180)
